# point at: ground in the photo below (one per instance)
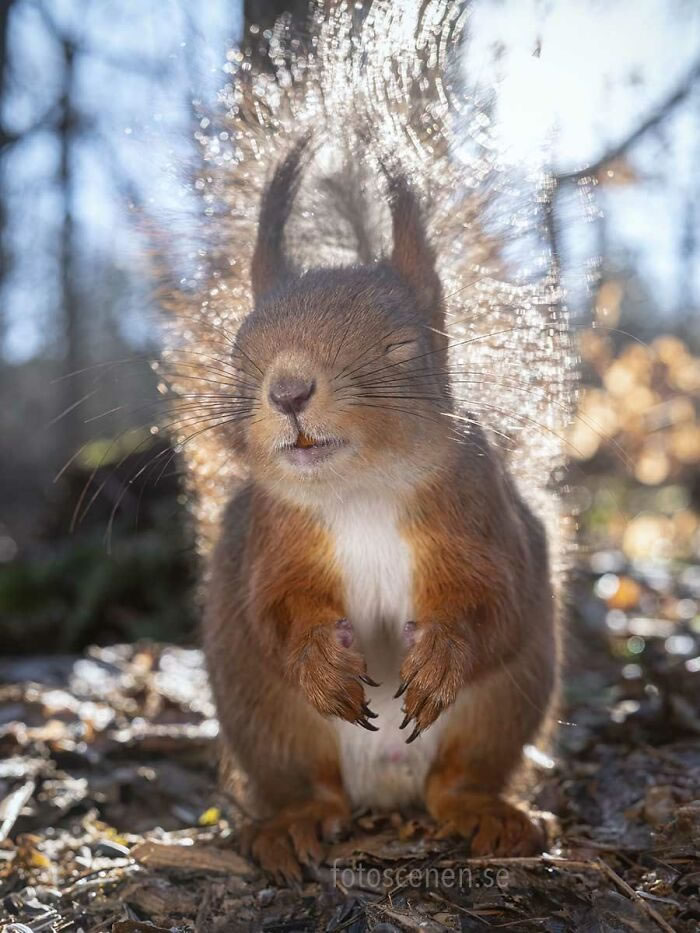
(111, 819)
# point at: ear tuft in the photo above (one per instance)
(270, 266)
(412, 256)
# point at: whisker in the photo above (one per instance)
(193, 418)
(460, 438)
(408, 411)
(79, 512)
(519, 415)
(175, 374)
(399, 378)
(421, 356)
(78, 516)
(616, 330)
(218, 329)
(110, 411)
(198, 367)
(69, 462)
(71, 407)
(537, 392)
(342, 341)
(430, 398)
(462, 288)
(135, 476)
(176, 378)
(219, 360)
(176, 405)
(89, 481)
(105, 364)
(230, 368)
(366, 350)
(239, 349)
(149, 359)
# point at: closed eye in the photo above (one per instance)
(402, 347)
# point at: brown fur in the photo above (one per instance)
(483, 643)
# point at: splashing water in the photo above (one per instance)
(381, 85)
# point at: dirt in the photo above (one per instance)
(111, 818)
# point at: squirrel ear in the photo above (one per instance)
(270, 266)
(412, 256)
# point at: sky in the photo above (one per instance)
(572, 79)
(600, 69)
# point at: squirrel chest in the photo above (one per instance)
(376, 566)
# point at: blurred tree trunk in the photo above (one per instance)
(263, 13)
(69, 299)
(688, 296)
(5, 140)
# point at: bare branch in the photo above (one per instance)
(47, 121)
(657, 116)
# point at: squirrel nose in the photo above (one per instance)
(290, 394)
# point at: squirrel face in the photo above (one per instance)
(346, 365)
(349, 385)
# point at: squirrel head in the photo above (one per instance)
(346, 366)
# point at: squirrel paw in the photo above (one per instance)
(331, 672)
(293, 838)
(493, 826)
(431, 675)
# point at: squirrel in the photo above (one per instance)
(381, 609)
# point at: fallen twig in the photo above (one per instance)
(525, 861)
(631, 893)
(444, 900)
(12, 806)
(191, 858)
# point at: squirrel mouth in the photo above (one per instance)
(303, 441)
(308, 451)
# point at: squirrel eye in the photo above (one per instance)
(402, 349)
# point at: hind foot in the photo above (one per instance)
(492, 825)
(294, 837)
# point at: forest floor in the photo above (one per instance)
(110, 817)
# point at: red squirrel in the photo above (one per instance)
(380, 623)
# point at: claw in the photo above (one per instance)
(369, 714)
(414, 735)
(367, 725)
(403, 687)
(407, 718)
(366, 679)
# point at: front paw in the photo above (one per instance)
(432, 673)
(331, 672)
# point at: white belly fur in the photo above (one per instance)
(379, 769)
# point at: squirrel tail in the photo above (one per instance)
(377, 142)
